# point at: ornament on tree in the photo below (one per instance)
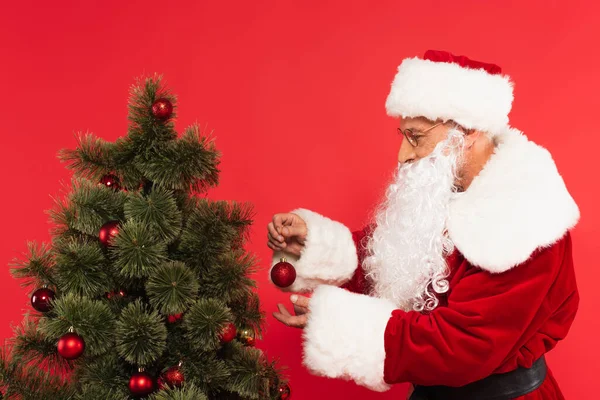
(107, 232)
(173, 378)
(283, 274)
(41, 298)
(71, 345)
(111, 181)
(228, 333)
(162, 108)
(141, 384)
(118, 293)
(174, 318)
(284, 392)
(247, 336)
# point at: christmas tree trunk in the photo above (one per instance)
(145, 289)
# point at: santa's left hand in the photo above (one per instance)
(301, 308)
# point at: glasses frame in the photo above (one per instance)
(410, 136)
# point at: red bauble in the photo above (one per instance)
(141, 384)
(228, 333)
(173, 377)
(174, 318)
(71, 346)
(111, 181)
(284, 392)
(283, 274)
(107, 232)
(162, 108)
(41, 298)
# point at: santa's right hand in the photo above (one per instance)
(287, 232)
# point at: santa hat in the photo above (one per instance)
(444, 86)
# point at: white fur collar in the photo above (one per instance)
(517, 203)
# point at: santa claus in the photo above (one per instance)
(463, 278)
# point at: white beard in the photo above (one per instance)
(406, 251)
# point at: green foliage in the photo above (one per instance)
(205, 321)
(187, 392)
(36, 269)
(91, 319)
(140, 334)
(81, 268)
(158, 211)
(137, 250)
(172, 288)
(175, 253)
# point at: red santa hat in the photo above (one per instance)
(445, 86)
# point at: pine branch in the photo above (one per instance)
(91, 319)
(36, 269)
(246, 366)
(82, 268)
(86, 208)
(137, 250)
(190, 163)
(103, 378)
(30, 346)
(158, 211)
(186, 392)
(172, 288)
(204, 322)
(140, 334)
(90, 159)
(228, 279)
(248, 313)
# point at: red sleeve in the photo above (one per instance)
(489, 318)
(359, 283)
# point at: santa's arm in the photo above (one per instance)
(368, 340)
(329, 255)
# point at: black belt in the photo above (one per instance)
(504, 386)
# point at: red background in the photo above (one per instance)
(294, 92)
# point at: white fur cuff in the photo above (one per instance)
(329, 255)
(344, 336)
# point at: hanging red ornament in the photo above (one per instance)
(228, 333)
(247, 336)
(41, 298)
(174, 318)
(284, 392)
(118, 293)
(107, 232)
(173, 377)
(111, 181)
(162, 108)
(141, 384)
(71, 345)
(283, 274)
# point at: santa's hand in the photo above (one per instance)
(301, 308)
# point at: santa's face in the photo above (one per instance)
(406, 251)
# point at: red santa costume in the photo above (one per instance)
(510, 292)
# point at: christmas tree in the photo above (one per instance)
(145, 289)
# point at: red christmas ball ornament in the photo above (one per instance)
(174, 318)
(284, 392)
(111, 181)
(107, 232)
(141, 384)
(173, 377)
(228, 333)
(41, 298)
(162, 108)
(283, 274)
(71, 346)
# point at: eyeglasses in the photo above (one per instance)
(410, 135)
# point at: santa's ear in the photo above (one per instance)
(472, 136)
